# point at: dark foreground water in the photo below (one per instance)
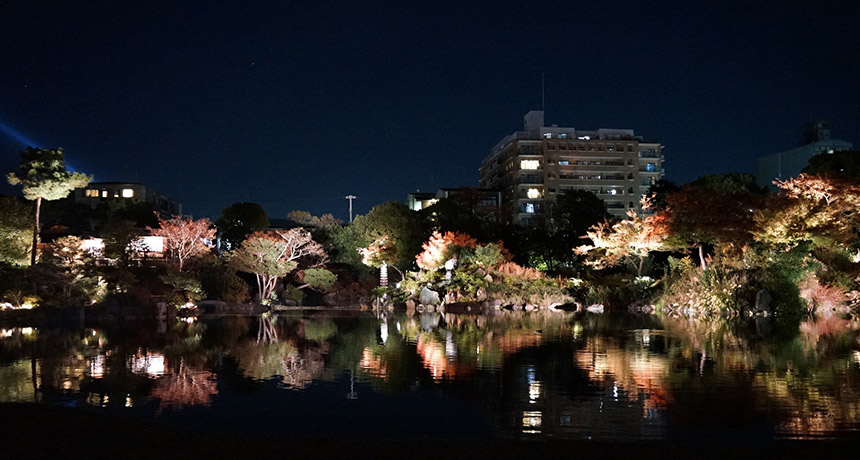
(511, 374)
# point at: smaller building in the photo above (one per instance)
(100, 192)
(417, 201)
(789, 163)
(484, 203)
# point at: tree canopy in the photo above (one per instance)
(42, 175)
(238, 220)
(184, 237)
(844, 165)
(15, 232)
(271, 255)
(401, 226)
(715, 210)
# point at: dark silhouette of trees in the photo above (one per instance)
(239, 220)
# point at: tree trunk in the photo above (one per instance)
(639, 271)
(702, 257)
(35, 232)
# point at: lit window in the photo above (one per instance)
(104, 193)
(547, 135)
(563, 162)
(530, 208)
(530, 164)
(127, 193)
(613, 191)
(533, 193)
(651, 167)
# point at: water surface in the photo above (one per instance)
(510, 374)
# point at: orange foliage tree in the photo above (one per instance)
(634, 237)
(810, 208)
(184, 237)
(439, 248)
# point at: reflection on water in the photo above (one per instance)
(519, 374)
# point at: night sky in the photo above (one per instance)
(295, 104)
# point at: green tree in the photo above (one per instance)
(140, 212)
(15, 218)
(239, 220)
(122, 242)
(272, 255)
(43, 175)
(837, 165)
(394, 220)
(66, 273)
(455, 215)
(308, 220)
(571, 215)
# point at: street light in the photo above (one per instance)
(350, 198)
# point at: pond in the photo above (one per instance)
(510, 374)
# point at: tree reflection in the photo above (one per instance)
(185, 387)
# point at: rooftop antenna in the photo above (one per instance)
(350, 198)
(542, 98)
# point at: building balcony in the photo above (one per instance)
(531, 179)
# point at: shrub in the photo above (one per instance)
(185, 288)
(292, 293)
(219, 281)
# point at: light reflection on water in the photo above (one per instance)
(511, 373)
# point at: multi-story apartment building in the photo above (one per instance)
(101, 192)
(531, 167)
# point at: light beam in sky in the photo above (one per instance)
(17, 136)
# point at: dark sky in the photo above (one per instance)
(294, 104)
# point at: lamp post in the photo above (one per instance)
(350, 198)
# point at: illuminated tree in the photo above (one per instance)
(631, 238)
(439, 248)
(379, 254)
(811, 208)
(306, 219)
(43, 175)
(714, 210)
(66, 271)
(272, 255)
(184, 237)
(15, 232)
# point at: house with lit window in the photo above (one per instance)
(100, 192)
(533, 166)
